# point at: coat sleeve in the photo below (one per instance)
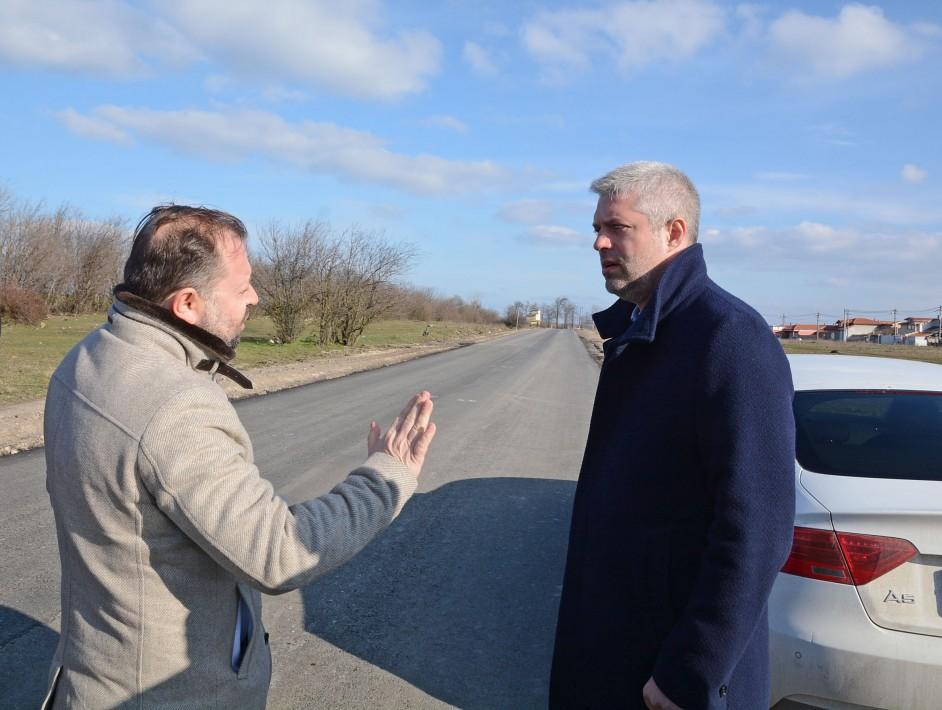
(746, 439)
(195, 460)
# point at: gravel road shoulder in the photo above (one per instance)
(593, 343)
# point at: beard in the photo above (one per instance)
(226, 329)
(634, 290)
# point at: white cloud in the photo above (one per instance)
(783, 198)
(551, 235)
(633, 33)
(823, 239)
(750, 16)
(859, 39)
(280, 94)
(93, 127)
(323, 148)
(479, 59)
(913, 173)
(338, 46)
(526, 211)
(819, 248)
(218, 83)
(334, 45)
(449, 122)
(833, 134)
(107, 38)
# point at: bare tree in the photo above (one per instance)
(26, 251)
(559, 306)
(286, 273)
(68, 260)
(514, 312)
(569, 311)
(89, 263)
(358, 288)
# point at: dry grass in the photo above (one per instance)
(902, 352)
(28, 355)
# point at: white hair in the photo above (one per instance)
(661, 193)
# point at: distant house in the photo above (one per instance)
(931, 331)
(914, 325)
(887, 327)
(930, 326)
(796, 331)
(860, 329)
(910, 331)
(534, 318)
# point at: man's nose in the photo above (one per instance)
(601, 242)
(253, 297)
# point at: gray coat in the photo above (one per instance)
(164, 522)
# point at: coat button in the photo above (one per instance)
(723, 691)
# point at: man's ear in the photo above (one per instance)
(186, 304)
(676, 233)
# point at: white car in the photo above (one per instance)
(856, 614)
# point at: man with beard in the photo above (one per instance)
(684, 508)
(167, 534)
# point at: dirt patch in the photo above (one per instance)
(21, 425)
(593, 343)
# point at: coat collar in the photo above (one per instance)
(684, 277)
(204, 351)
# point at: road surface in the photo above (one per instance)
(453, 606)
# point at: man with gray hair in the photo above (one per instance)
(167, 533)
(685, 503)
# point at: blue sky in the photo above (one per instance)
(472, 129)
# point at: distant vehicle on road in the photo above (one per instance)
(856, 614)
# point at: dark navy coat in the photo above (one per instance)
(684, 509)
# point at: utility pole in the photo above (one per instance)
(940, 326)
(894, 325)
(817, 325)
(845, 325)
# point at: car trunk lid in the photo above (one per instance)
(908, 597)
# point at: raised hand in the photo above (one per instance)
(409, 436)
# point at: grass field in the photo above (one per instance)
(29, 355)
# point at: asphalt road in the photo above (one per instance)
(453, 606)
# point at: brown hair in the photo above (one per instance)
(174, 247)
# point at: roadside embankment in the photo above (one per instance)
(593, 343)
(21, 424)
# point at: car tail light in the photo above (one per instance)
(845, 558)
(870, 556)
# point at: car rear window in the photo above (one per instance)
(871, 434)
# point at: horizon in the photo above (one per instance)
(473, 132)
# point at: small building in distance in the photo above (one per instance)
(908, 331)
(796, 331)
(914, 325)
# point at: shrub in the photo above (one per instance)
(22, 306)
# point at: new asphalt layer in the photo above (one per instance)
(453, 606)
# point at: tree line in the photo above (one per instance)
(312, 278)
(310, 275)
(56, 260)
(558, 313)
